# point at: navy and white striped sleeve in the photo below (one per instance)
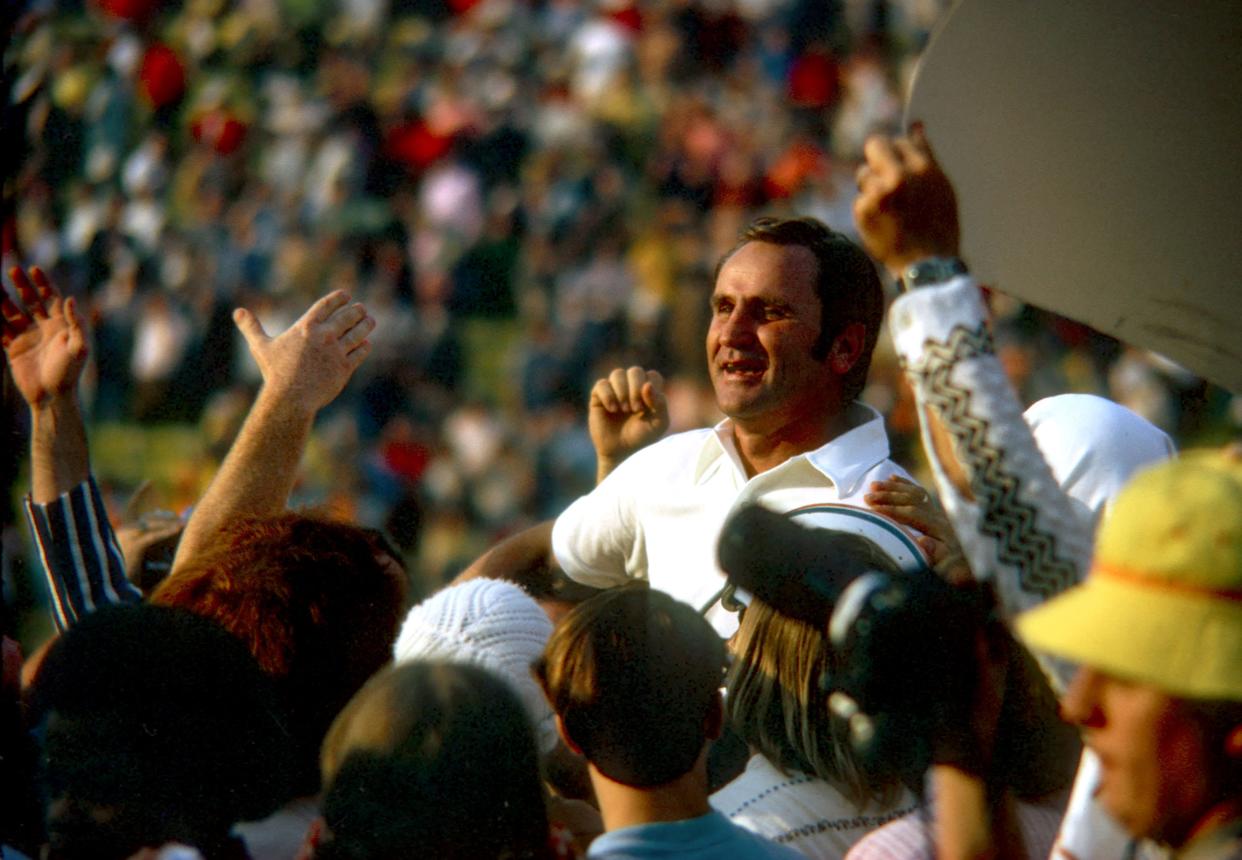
(80, 554)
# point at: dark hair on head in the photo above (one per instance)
(309, 598)
(846, 282)
(436, 760)
(163, 714)
(634, 676)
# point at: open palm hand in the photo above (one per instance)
(45, 342)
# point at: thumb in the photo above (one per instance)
(653, 392)
(77, 338)
(918, 136)
(250, 327)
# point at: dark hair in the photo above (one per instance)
(165, 716)
(633, 675)
(433, 760)
(846, 282)
(309, 598)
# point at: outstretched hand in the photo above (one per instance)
(906, 209)
(307, 366)
(628, 411)
(45, 342)
(303, 369)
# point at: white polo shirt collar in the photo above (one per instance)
(844, 460)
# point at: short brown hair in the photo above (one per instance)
(634, 675)
(309, 599)
(433, 759)
(846, 282)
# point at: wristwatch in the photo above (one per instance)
(930, 270)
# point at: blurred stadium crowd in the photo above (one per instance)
(524, 194)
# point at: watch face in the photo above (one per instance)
(935, 270)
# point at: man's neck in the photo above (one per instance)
(763, 446)
(625, 806)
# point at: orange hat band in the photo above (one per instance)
(1135, 578)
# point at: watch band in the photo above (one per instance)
(931, 270)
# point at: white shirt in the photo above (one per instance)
(659, 514)
(804, 812)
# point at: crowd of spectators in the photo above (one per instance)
(524, 194)
(417, 234)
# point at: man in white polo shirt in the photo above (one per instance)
(796, 310)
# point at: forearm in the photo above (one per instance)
(1015, 523)
(79, 552)
(59, 456)
(970, 822)
(524, 558)
(74, 537)
(256, 476)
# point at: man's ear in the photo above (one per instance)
(847, 348)
(713, 724)
(564, 733)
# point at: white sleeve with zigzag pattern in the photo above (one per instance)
(1020, 531)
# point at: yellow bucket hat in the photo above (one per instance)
(1162, 603)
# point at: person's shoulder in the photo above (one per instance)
(758, 780)
(888, 467)
(708, 836)
(759, 847)
(908, 837)
(746, 844)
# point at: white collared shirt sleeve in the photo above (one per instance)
(598, 540)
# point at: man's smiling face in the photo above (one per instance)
(761, 344)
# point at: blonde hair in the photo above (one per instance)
(777, 705)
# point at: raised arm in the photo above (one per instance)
(1016, 525)
(46, 347)
(627, 411)
(303, 370)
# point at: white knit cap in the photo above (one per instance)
(488, 623)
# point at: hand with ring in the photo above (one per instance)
(911, 505)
